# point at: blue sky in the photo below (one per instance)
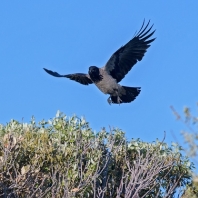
(69, 36)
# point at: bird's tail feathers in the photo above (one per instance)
(127, 94)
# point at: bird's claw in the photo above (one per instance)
(119, 101)
(109, 100)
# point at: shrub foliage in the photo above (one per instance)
(64, 157)
(190, 136)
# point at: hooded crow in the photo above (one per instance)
(120, 63)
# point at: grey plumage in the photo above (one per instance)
(119, 64)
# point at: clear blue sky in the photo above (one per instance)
(69, 36)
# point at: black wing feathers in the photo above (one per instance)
(127, 56)
(81, 78)
(78, 77)
(55, 74)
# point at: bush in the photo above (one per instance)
(190, 136)
(63, 157)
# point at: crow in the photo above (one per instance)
(120, 63)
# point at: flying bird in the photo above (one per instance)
(120, 63)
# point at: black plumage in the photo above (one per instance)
(119, 64)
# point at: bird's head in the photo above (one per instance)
(94, 74)
(93, 70)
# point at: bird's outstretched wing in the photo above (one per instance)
(78, 77)
(127, 56)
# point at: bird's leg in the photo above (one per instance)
(109, 100)
(118, 98)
